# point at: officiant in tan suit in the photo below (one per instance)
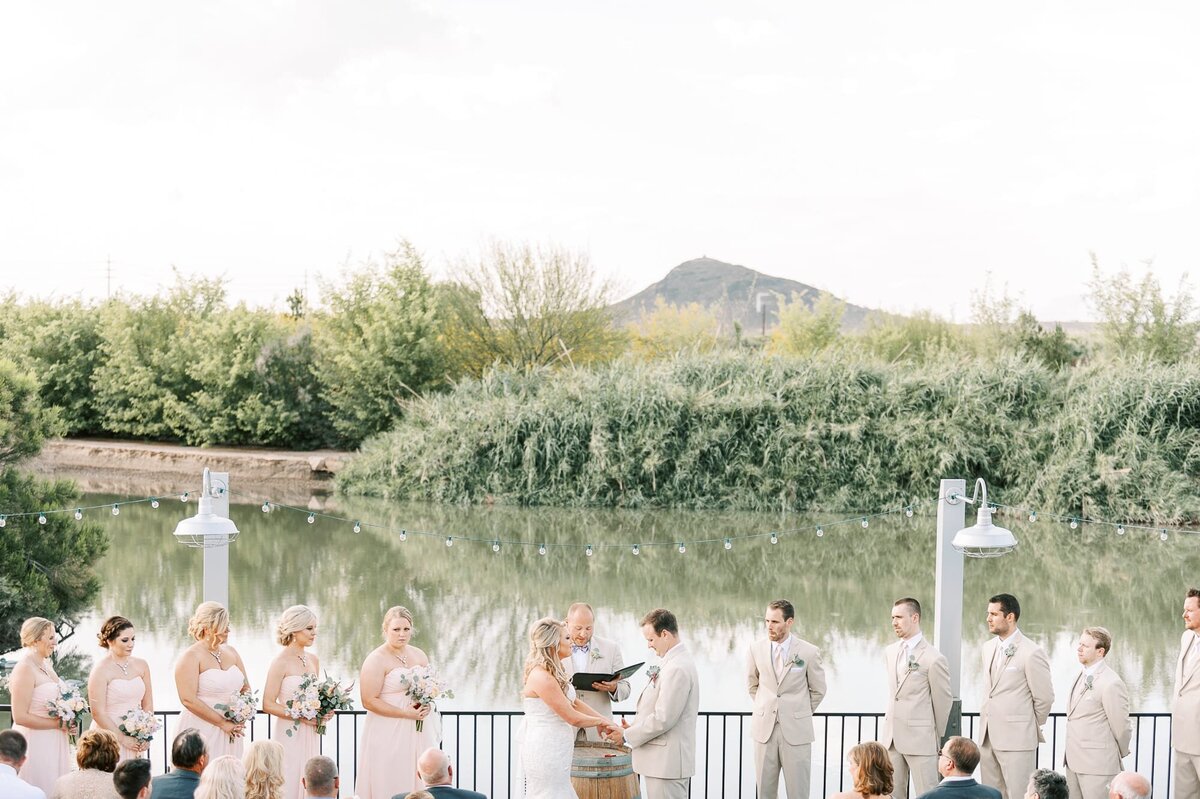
(591, 653)
(1185, 702)
(918, 706)
(663, 733)
(1017, 697)
(1098, 729)
(786, 683)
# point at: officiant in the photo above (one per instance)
(592, 654)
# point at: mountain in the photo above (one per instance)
(731, 290)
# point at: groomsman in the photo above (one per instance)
(786, 685)
(919, 699)
(1185, 703)
(591, 653)
(663, 733)
(1017, 699)
(1098, 729)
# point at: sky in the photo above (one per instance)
(899, 155)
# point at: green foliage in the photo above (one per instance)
(671, 329)
(1137, 320)
(919, 338)
(805, 329)
(24, 423)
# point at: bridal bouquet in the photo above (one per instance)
(425, 687)
(241, 708)
(67, 708)
(314, 700)
(139, 724)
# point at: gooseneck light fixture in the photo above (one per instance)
(983, 539)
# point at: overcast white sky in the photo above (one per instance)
(892, 153)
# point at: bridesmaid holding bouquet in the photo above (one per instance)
(33, 685)
(119, 683)
(210, 673)
(296, 632)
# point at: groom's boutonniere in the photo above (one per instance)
(912, 664)
(652, 673)
(596, 654)
(797, 662)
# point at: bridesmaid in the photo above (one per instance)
(208, 673)
(119, 682)
(296, 631)
(390, 741)
(33, 685)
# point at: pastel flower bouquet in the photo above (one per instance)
(140, 725)
(316, 699)
(67, 707)
(425, 687)
(241, 708)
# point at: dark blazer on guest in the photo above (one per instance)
(957, 789)
(440, 792)
(177, 784)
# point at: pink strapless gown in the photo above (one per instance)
(49, 752)
(298, 747)
(121, 697)
(215, 688)
(388, 751)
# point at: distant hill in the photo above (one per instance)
(731, 290)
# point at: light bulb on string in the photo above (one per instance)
(154, 502)
(41, 518)
(1033, 516)
(312, 518)
(1074, 524)
(682, 548)
(266, 506)
(495, 546)
(636, 549)
(908, 511)
(403, 535)
(3, 521)
(116, 511)
(1120, 529)
(541, 549)
(866, 522)
(184, 496)
(820, 532)
(1162, 536)
(78, 514)
(357, 526)
(774, 538)
(728, 543)
(449, 540)
(588, 551)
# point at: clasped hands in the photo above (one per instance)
(612, 733)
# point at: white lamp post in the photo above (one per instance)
(212, 530)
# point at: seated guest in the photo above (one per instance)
(1047, 784)
(12, 757)
(434, 769)
(224, 778)
(132, 779)
(871, 769)
(320, 778)
(1129, 785)
(418, 795)
(97, 756)
(956, 763)
(189, 757)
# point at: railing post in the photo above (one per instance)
(948, 596)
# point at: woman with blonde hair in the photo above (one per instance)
(223, 778)
(209, 673)
(295, 632)
(119, 682)
(33, 684)
(552, 714)
(97, 756)
(264, 770)
(391, 743)
(871, 770)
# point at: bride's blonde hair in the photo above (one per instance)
(544, 637)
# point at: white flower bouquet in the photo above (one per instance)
(68, 707)
(241, 708)
(140, 725)
(316, 699)
(425, 687)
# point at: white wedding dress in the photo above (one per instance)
(547, 747)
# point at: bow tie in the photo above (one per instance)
(584, 648)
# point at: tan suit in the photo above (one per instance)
(1017, 698)
(918, 709)
(1185, 720)
(663, 733)
(1098, 732)
(782, 726)
(603, 656)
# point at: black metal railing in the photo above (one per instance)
(484, 746)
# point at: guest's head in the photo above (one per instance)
(1129, 785)
(418, 795)
(98, 749)
(225, 778)
(132, 779)
(398, 626)
(210, 623)
(296, 621)
(188, 751)
(661, 630)
(871, 769)
(264, 770)
(112, 627)
(1003, 613)
(1046, 784)
(38, 633)
(779, 618)
(581, 622)
(433, 767)
(959, 757)
(12, 748)
(320, 777)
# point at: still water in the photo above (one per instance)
(472, 606)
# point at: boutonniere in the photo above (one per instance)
(1087, 684)
(596, 654)
(912, 664)
(797, 661)
(1009, 651)
(652, 673)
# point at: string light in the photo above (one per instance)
(78, 514)
(541, 549)
(588, 551)
(866, 522)
(774, 538)
(41, 518)
(312, 518)
(495, 546)
(1033, 516)
(682, 548)
(116, 511)
(909, 511)
(728, 543)
(449, 540)
(1120, 529)
(1162, 535)
(403, 535)
(3, 521)
(1074, 524)
(266, 507)
(184, 496)
(636, 549)
(358, 527)
(820, 532)
(154, 502)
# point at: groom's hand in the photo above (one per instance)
(616, 736)
(624, 723)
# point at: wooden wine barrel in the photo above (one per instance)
(602, 770)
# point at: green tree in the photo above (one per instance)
(670, 329)
(1136, 319)
(805, 329)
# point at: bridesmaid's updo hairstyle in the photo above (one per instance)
(293, 620)
(208, 621)
(544, 637)
(397, 612)
(33, 629)
(112, 627)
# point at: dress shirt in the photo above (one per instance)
(579, 657)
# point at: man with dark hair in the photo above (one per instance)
(787, 684)
(1017, 697)
(956, 764)
(918, 705)
(132, 779)
(1098, 729)
(189, 757)
(1046, 784)
(12, 757)
(1185, 702)
(663, 733)
(320, 778)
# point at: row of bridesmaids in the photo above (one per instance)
(207, 674)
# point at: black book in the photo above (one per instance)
(584, 679)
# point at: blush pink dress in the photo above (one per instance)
(298, 747)
(388, 751)
(121, 697)
(215, 688)
(49, 752)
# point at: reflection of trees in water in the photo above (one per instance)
(473, 607)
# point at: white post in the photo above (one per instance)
(948, 596)
(216, 558)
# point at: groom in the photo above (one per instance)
(663, 733)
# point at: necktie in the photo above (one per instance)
(779, 658)
(901, 661)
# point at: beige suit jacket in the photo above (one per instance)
(919, 700)
(663, 733)
(1185, 702)
(788, 699)
(1098, 729)
(1017, 695)
(603, 656)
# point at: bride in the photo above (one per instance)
(552, 712)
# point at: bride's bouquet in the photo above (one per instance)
(241, 708)
(140, 725)
(316, 699)
(67, 707)
(425, 687)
